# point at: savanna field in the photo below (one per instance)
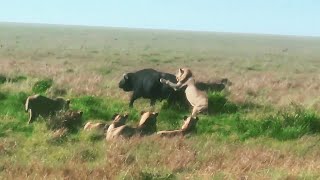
(264, 125)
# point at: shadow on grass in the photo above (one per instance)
(219, 104)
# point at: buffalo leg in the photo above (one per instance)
(132, 99)
(152, 102)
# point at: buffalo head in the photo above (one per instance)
(126, 82)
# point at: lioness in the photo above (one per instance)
(117, 125)
(96, 126)
(198, 99)
(147, 125)
(188, 126)
(40, 105)
(72, 118)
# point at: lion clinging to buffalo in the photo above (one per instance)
(198, 99)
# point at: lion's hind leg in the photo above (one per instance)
(32, 116)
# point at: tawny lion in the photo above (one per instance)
(147, 126)
(198, 99)
(188, 126)
(96, 126)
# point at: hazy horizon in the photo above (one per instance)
(155, 29)
(251, 17)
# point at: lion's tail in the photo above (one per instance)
(27, 104)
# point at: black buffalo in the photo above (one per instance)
(146, 83)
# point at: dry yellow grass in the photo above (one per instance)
(183, 157)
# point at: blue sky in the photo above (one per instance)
(288, 17)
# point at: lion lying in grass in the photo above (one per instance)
(96, 126)
(147, 125)
(198, 99)
(188, 126)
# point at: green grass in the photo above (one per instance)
(102, 108)
(288, 123)
(251, 129)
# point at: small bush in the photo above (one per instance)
(3, 79)
(42, 86)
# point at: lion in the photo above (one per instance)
(117, 125)
(198, 99)
(59, 133)
(96, 126)
(72, 118)
(188, 126)
(147, 125)
(40, 105)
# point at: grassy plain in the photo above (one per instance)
(266, 124)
